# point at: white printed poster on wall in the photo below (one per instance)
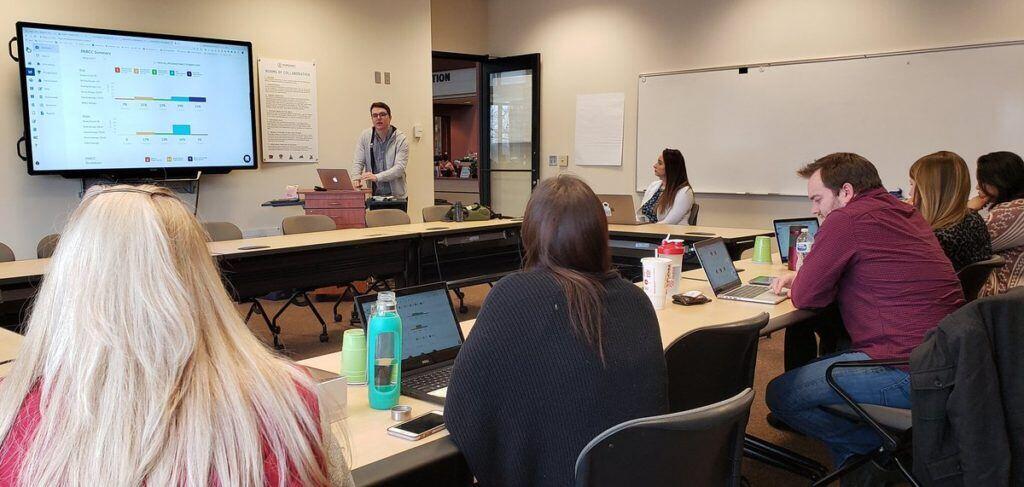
(288, 118)
(599, 129)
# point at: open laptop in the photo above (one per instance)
(335, 179)
(724, 279)
(782, 227)
(620, 209)
(431, 338)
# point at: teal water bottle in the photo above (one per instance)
(384, 353)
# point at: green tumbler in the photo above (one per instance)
(763, 250)
(353, 356)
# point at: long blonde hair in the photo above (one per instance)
(942, 185)
(146, 371)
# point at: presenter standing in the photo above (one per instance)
(381, 155)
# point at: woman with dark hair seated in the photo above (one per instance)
(559, 352)
(1001, 190)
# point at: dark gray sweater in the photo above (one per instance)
(527, 393)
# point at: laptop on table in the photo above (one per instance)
(431, 338)
(620, 209)
(722, 275)
(782, 227)
(335, 179)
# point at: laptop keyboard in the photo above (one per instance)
(429, 381)
(747, 291)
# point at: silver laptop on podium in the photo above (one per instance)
(724, 279)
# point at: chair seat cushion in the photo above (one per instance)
(892, 418)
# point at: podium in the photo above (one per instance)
(347, 207)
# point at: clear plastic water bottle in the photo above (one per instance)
(803, 247)
(383, 353)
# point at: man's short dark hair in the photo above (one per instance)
(841, 168)
(380, 104)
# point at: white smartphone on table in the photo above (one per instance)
(419, 427)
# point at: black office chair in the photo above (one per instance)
(715, 363)
(973, 276)
(692, 220)
(293, 225)
(699, 447)
(893, 425)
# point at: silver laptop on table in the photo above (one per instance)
(724, 279)
(620, 209)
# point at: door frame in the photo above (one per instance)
(496, 65)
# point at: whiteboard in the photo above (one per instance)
(749, 133)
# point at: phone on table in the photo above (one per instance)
(761, 281)
(419, 427)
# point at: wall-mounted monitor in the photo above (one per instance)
(104, 102)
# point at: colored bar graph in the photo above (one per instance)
(176, 130)
(179, 99)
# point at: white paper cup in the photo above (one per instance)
(656, 274)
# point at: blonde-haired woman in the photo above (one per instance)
(940, 185)
(136, 368)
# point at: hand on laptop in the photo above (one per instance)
(781, 284)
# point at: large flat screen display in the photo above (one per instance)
(109, 102)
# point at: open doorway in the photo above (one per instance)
(457, 103)
(486, 130)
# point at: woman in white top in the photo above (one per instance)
(669, 199)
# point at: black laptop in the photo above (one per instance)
(431, 338)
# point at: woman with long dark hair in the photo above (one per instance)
(560, 351)
(1001, 191)
(669, 198)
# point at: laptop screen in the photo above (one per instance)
(782, 232)
(428, 322)
(717, 264)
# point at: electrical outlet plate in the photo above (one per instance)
(552, 161)
(563, 161)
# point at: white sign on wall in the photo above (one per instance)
(599, 120)
(288, 119)
(455, 82)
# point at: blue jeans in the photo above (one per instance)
(795, 397)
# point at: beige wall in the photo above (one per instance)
(596, 46)
(348, 39)
(459, 26)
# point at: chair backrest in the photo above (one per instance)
(973, 276)
(712, 364)
(307, 224)
(696, 448)
(692, 220)
(220, 231)
(46, 246)
(435, 213)
(6, 254)
(386, 217)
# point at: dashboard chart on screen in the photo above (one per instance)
(100, 101)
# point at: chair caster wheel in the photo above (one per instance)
(324, 338)
(337, 318)
(463, 309)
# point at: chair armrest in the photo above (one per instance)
(891, 442)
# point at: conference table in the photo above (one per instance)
(413, 253)
(379, 459)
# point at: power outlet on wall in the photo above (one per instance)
(563, 161)
(552, 161)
